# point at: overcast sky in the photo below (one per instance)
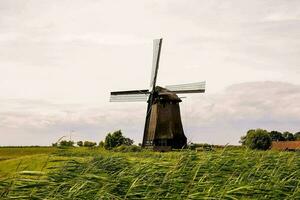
(60, 59)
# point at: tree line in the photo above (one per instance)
(112, 140)
(262, 139)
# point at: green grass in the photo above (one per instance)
(83, 173)
(13, 159)
(13, 152)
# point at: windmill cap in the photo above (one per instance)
(166, 95)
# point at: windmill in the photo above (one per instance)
(163, 127)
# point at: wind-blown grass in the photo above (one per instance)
(98, 174)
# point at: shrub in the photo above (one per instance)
(276, 136)
(65, 143)
(89, 144)
(243, 139)
(192, 146)
(80, 143)
(258, 139)
(116, 139)
(54, 144)
(101, 144)
(128, 141)
(288, 136)
(297, 136)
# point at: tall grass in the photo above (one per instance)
(13, 152)
(97, 174)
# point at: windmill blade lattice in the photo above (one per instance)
(198, 87)
(155, 62)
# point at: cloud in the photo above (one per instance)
(224, 117)
(43, 122)
(58, 62)
(218, 118)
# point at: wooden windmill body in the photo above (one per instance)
(163, 127)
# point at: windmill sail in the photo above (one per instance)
(130, 92)
(129, 96)
(155, 62)
(198, 87)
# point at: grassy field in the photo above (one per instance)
(82, 173)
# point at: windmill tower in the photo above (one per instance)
(163, 127)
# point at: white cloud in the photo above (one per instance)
(60, 55)
(216, 118)
(228, 115)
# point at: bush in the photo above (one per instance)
(89, 144)
(276, 136)
(258, 139)
(65, 143)
(116, 139)
(80, 143)
(54, 144)
(126, 148)
(243, 139)
(101, 144)
(297, 136)
(128, 141)
(192, 146)
(288, 136)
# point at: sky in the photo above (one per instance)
(60, 59)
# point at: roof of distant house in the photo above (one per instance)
(286, 145)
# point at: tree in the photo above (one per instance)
(89, 144)
(276, 136)
(128, 141)
(116, 139)
(101, 144)
(288, 136)
(54, 144)
(65, 143)
(243, 140)
(80, 143)
(297, 136)
(258, 139)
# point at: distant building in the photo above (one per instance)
(286, 145)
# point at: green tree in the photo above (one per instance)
(65, 143)
(116, 139)
(80, 143)
(297, 136)
(276, 136)
(101, 144)
(243, 140)
(89, 144)
(128, 141)
(258, 139)
(54, 144)
(288, 136)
